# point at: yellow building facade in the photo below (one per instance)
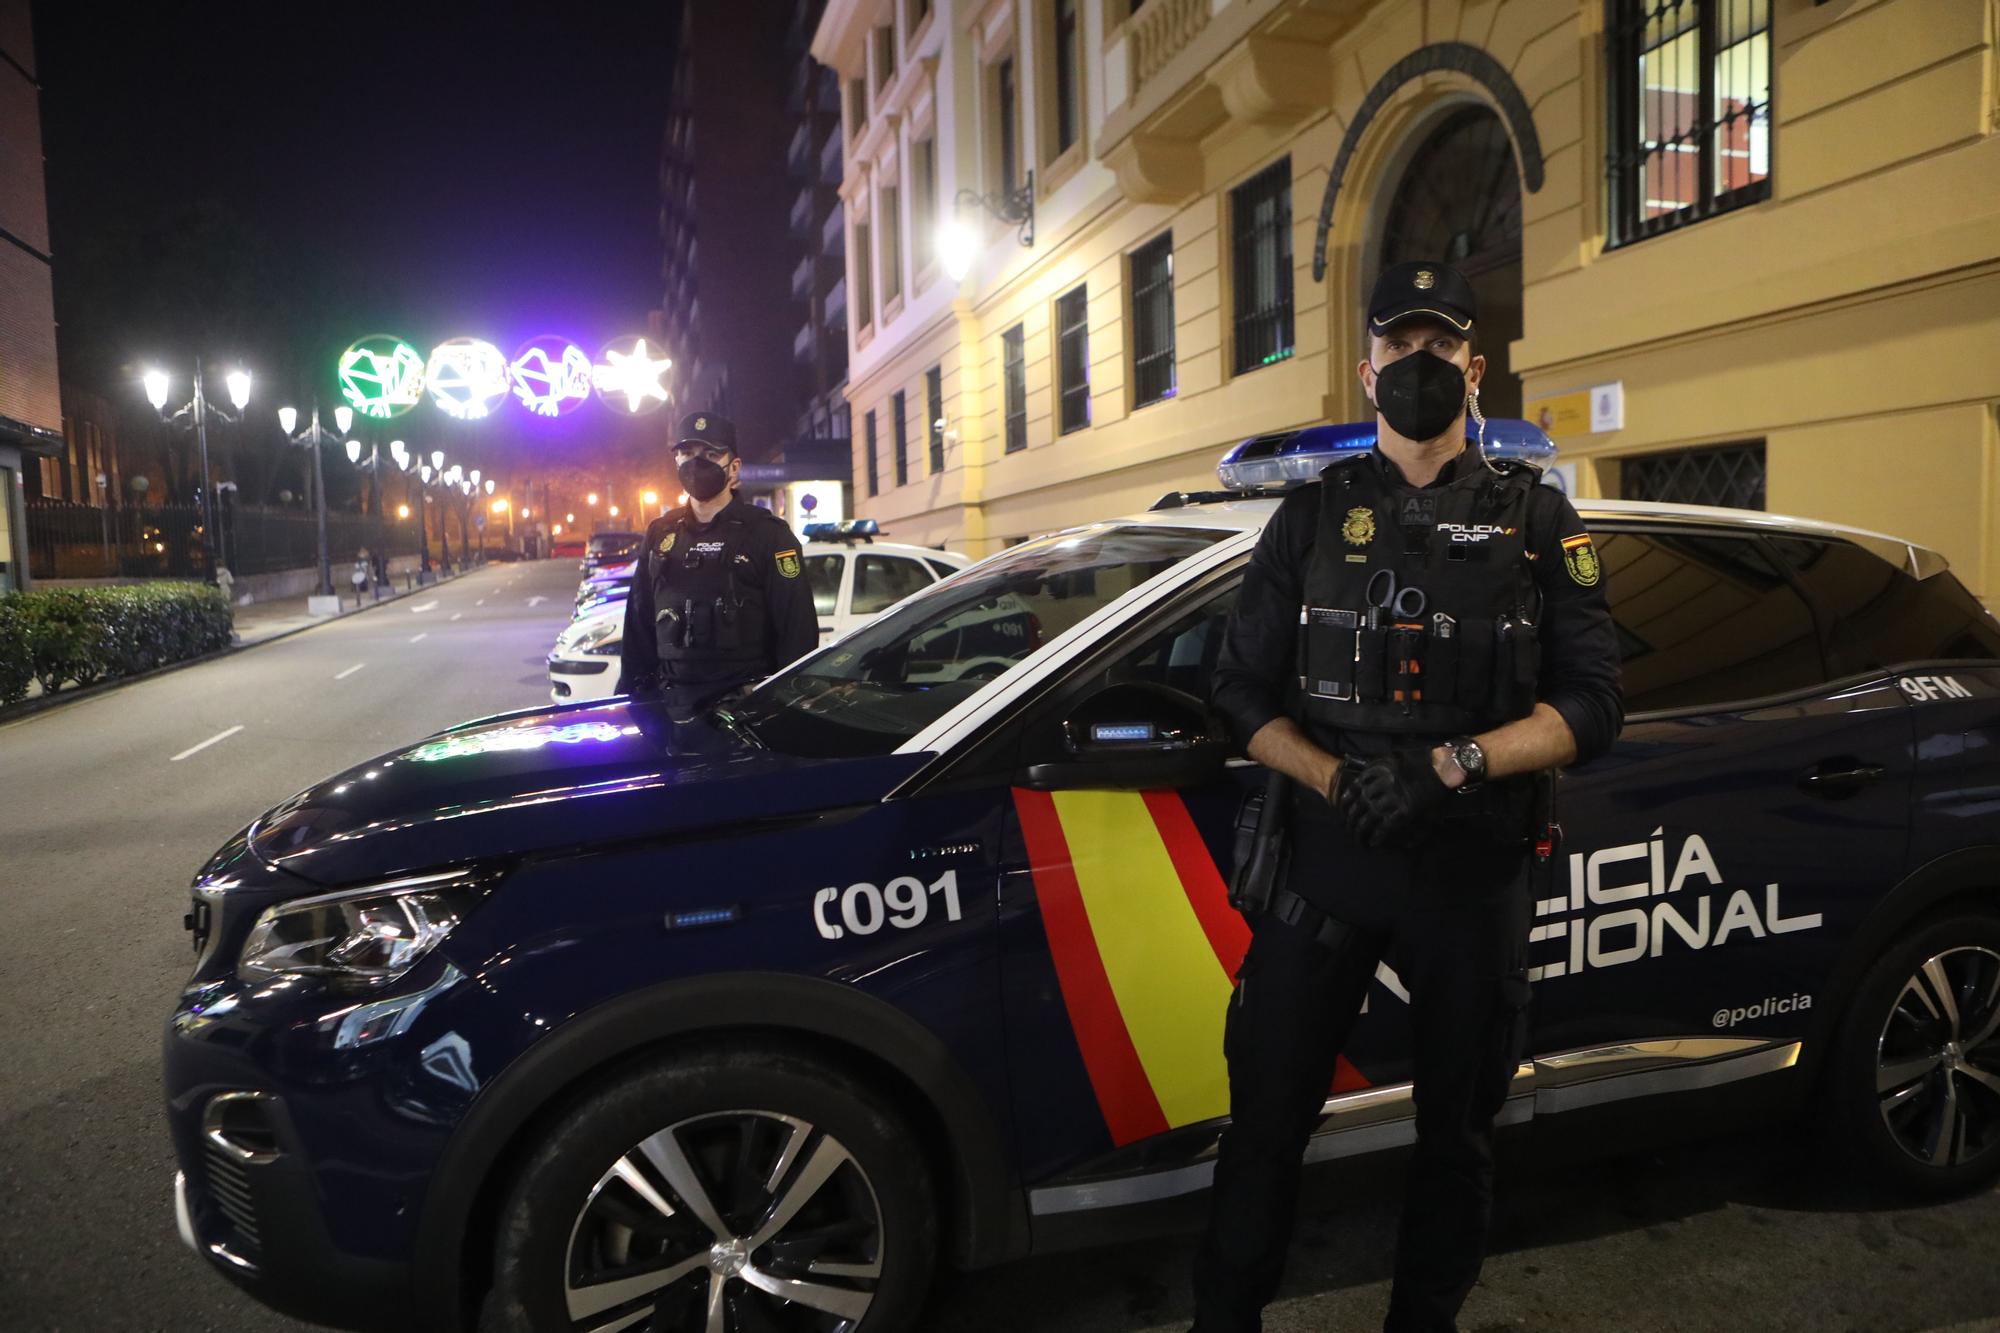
(1765, 232)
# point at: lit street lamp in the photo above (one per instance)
(198, 409)
(957, 242)
(312, 437)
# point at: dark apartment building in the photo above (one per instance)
(30, 396)
(753, 293)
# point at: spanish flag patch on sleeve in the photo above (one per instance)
(1580, 558)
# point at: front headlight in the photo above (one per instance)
(606, 638)
(368, 936)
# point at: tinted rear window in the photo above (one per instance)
(1705, 620)
(1881, 616)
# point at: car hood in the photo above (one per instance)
(550, 780)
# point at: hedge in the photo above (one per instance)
(86, 635)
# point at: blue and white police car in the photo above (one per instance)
(597, 1018)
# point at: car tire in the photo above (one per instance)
(1916, 1080)
(604, 1208)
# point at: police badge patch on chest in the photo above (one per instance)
(667, 542)
(1358, 529)
(1580, 558)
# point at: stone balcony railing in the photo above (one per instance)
(1160, 31)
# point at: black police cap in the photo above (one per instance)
(708, 428)
(1422, 288)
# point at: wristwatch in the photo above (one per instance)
(1471, 760)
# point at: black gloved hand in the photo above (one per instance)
(1391, 796)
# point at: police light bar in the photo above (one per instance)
(1290, 457)
(850, 529)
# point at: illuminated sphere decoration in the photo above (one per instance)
(631, 376)
(382, 375)
(551, 376)
(468, 378)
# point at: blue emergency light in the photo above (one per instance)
(1289, 457)
(852, 529)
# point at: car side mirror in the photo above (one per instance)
(1134, 735)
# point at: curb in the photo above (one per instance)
(47, 703)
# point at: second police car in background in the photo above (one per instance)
(854, 578)
(589, 1018)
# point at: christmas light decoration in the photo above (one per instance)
(382, 375)
(468, 377)
(551, 376)
(629, 377)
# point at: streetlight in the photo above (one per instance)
(312, 437)
(399, 453)
(614, 511)
(374, 466)
(198, 408)
(651, 498)
(958, 243)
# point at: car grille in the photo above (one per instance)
(229, 1189)
(564, 667)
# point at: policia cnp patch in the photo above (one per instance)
(1358, 528)
(667, 542)
(788, 563)
(1580, 558)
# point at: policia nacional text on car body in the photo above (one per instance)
(720, 597)
(1421, 639)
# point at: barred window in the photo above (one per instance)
(1261, 213)
(1153, 321)
(1073, 359)
(902, 435)
(1690, 104)
(934, 421)
(1730, 476)
(868, 426)
(1014, 374)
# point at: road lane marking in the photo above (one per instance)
(536, 600)
(427, 606)
(414, 638)
(456, 614)
(218, 736)
(350, 671)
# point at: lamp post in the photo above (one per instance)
(400, 452)
(198, 409)
(431, 475)
(374, 466)
(313, 436)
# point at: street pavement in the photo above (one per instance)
(109, 804)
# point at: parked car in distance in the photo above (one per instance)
(607, 548)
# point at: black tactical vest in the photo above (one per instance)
(708, 600)
(1420, 605)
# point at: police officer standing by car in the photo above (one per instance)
(720, 597)
(1421, 639)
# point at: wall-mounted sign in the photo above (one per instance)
(467, 378)
(551, 376)
(382, 376)
(1589, 411)
(631, 377)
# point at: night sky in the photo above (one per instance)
(265, 182)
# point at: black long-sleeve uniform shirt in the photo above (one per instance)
(768, 575)
(1256, 675)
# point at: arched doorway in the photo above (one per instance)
(1459, 200)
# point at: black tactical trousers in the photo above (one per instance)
(1452, 918)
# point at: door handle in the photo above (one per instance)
(1837, 778)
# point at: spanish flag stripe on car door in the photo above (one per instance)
(1124, 1094)
(1228, 933)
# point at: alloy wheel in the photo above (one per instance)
(1937, 1071)
(735, 1222)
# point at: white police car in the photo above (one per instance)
(853, 577)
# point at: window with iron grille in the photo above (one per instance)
(1153, 321)
(1690, 108)
(902, 430)
(868, 429)
(1068, 89)
(1014, 374)
(934, 418)
(1073, 359)
(1261, 213)
(1729, 475)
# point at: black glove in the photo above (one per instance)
(1391, 797)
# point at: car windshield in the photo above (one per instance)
(875, 689)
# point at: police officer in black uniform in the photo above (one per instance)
(1420, 641)
(720, 597)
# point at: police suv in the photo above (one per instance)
(595, 1018)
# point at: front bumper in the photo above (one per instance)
(583, 677)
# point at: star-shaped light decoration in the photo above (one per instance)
(633, 375)
(468, 377)
(551, 376)
(382, 376)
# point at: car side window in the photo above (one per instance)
(1881, 616)
(1705, 620)
(823, 577)
(881, 581)
(943, 570)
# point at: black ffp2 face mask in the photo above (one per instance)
(703, 478)
(1420, 395)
